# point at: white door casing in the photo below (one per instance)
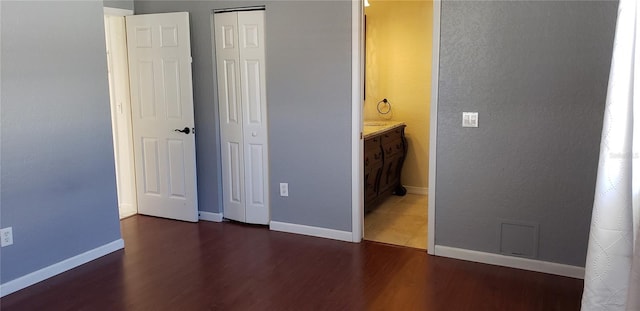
(162, 103)
(240, 61)
(118, 72)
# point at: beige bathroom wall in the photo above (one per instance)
(398, 67)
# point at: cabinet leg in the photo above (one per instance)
(400, 191)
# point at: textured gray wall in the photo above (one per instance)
(119, 4)
(308, 64)
(537, 73)
(58, 178)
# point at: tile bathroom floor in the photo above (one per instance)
(399, 220)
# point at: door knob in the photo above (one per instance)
(185, 130)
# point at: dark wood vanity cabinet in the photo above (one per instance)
(384, 154)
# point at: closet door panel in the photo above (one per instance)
(231, 120)
(254, 103)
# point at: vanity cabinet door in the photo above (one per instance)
(393, 146)
(372, 167)
(390, 176)
(371, 177)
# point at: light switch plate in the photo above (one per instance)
(469, 119)
(284, 189)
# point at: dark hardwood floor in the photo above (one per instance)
(171, 265)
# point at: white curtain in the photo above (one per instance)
(612, 276)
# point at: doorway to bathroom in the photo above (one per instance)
(396, 120)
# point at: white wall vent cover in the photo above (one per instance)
(519, 238)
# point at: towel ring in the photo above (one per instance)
(384, 106)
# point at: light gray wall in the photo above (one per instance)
(58, 178)
(537, 73)
(308, 68)
(119, 4)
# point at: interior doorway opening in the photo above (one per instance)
(398, 46)
(120, 106)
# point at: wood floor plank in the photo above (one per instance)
(171, 265)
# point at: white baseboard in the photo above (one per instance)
(417, 190)
(510, 261)
(57, 268)
(208, 216)
(312, 231)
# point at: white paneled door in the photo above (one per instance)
(162, 115)
(240, 60)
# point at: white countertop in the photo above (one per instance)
(371, 128)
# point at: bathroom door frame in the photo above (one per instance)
(357, 88)
(127, 206)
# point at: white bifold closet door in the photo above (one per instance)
(240, 60)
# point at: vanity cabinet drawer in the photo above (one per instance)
(392, 135)
(372, 151)
(393, 148)
(372, 156)
(372, 143)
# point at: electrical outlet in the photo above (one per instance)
(6, 236)
(284, 189)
